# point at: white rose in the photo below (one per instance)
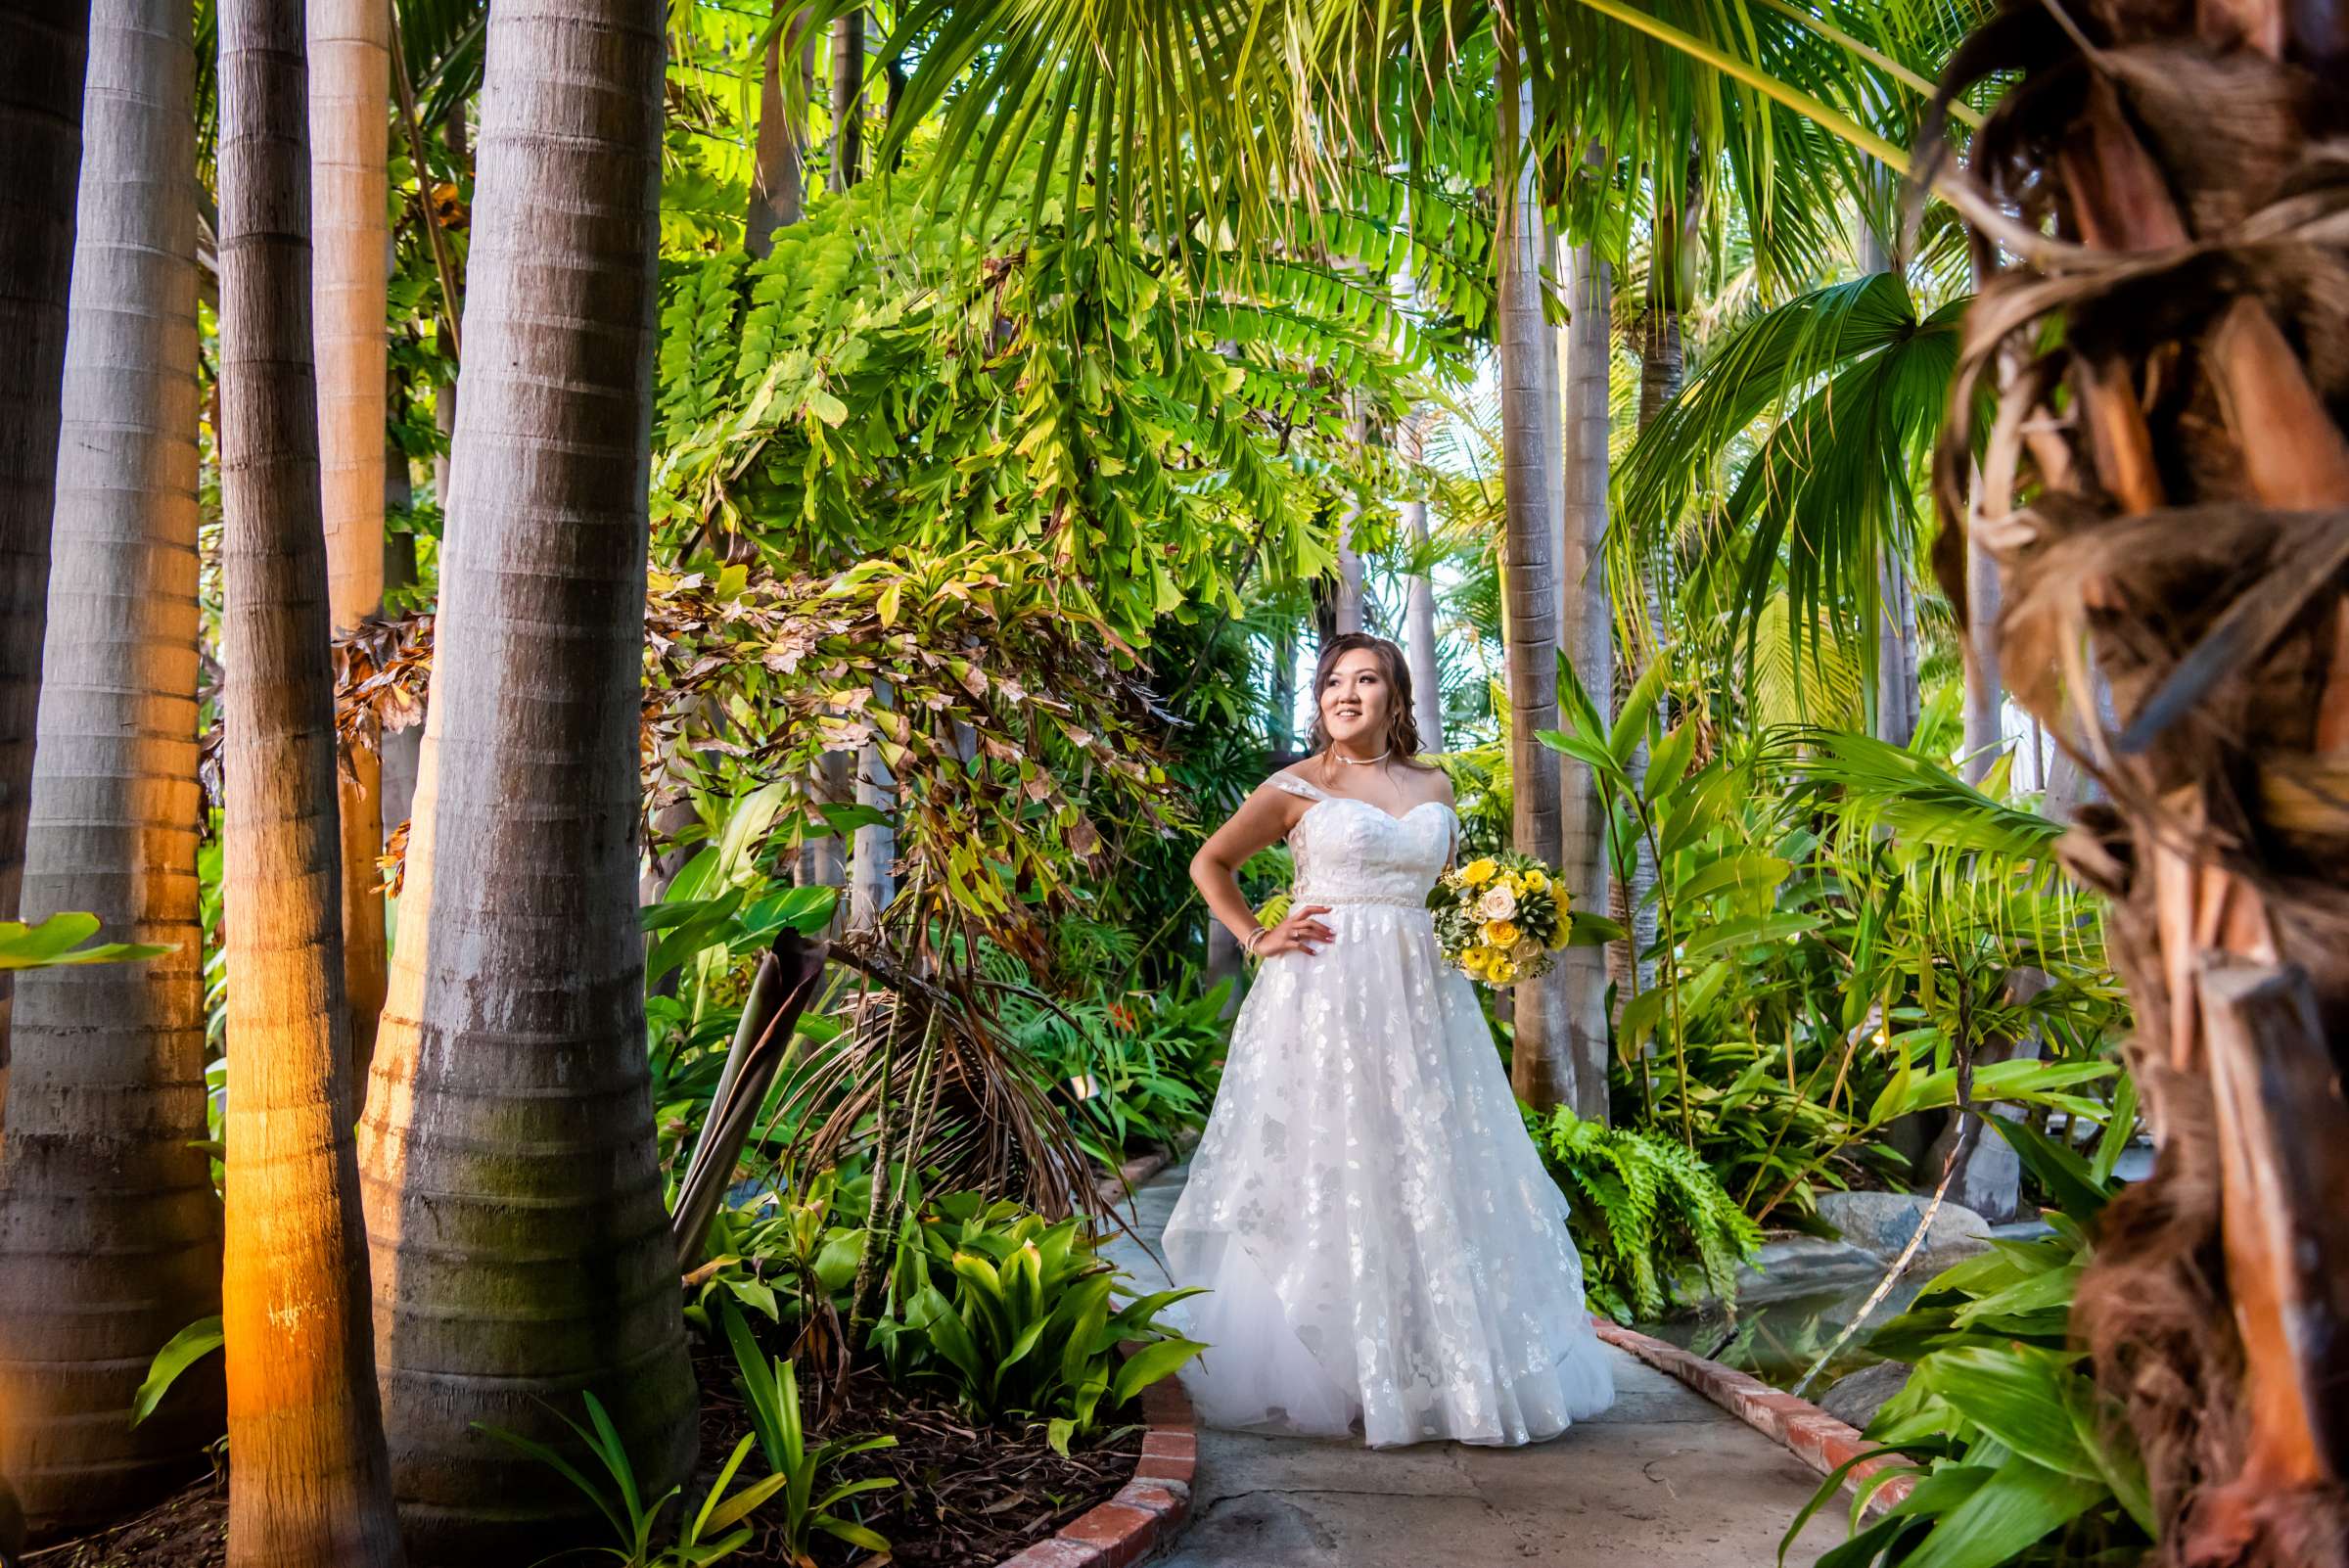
(1498, 903)
(1526, 950)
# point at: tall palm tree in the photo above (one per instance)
(43, 46)
(1419, 600)
(313, 1482)
(1586, 636)
(351, 116)
(110, 1233)
(848, 97)
(1531, 477)
(2162, 488)
(513, 1195)
(779, 159)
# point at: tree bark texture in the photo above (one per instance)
(399, 748)
(109, 1233)
(513, 1197)
(779, 167)
(1540, 1065)
(312, 1480)
(1586, 636)
(1663, 365)
(872, 866)
(351, 116)
(43, 49)
(1348, 616)
(1899, 702)
(2164, 488)
(848, 99)
(1419, 608)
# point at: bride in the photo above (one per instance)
(1385, 1255)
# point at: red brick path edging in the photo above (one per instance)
(1799, 1426)
(1146, 1514)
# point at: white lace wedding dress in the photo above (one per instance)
(1385, 1252)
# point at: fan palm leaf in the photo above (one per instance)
(1849, 385)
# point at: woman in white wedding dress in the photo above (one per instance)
(1384, 1252)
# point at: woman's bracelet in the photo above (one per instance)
(1252, 937)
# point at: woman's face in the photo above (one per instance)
(1353, 701)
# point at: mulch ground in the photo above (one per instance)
(967, 1495)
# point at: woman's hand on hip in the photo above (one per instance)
(1299, 933)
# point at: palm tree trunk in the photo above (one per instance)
(873, 877)
(1280, 695)
(1663, 365)
(43, 45)
(399, 748)
(1898, 700)
(1419, 607)
(513, 1197)
(1347, 615)
(2173, 527)
(1587, 635)
(350, 116)
(779, 164)
(1984, 694)
(848, 99)
(109, 1233)
(312, 1480)
(1540, 1064)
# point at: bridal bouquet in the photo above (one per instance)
(1500, 920)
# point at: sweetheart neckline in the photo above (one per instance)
(1328, 799)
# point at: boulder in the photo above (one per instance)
(1883, 1221)
(1803, 1266)
(1855, 1400)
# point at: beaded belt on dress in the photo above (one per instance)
(1301, 897)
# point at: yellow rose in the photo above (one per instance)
(1473, 964)
(1512, 881)
(1535, 882)
(1502, 972)
(1557, 940)
(1501, 934)
(1476, 873)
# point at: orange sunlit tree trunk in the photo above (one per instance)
(311, 1484)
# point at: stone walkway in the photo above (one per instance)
(1662, 1480)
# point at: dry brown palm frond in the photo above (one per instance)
(2160, 349)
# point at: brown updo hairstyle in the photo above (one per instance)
(1402, 726)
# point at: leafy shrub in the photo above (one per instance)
(2018, 1457)
(1645, 1211)
(623, 1506)
(771, 1389)
(1015, 1317)
(1133, 1069)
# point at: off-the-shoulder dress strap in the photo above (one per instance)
(1298, 787)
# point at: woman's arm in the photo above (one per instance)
(1264, 819)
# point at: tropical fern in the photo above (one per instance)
(1646, 1213)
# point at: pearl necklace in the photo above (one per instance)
(1361, 761)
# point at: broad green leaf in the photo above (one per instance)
(184, 1350)
(2015, 1394)
(2017, 1506)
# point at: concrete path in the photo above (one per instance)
(1662, 1480)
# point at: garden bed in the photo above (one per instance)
(967, 1495)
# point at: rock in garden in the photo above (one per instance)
(1856, 1398)
(1883, 1221)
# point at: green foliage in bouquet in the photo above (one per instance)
(1647, 1215)
(1500, 918)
